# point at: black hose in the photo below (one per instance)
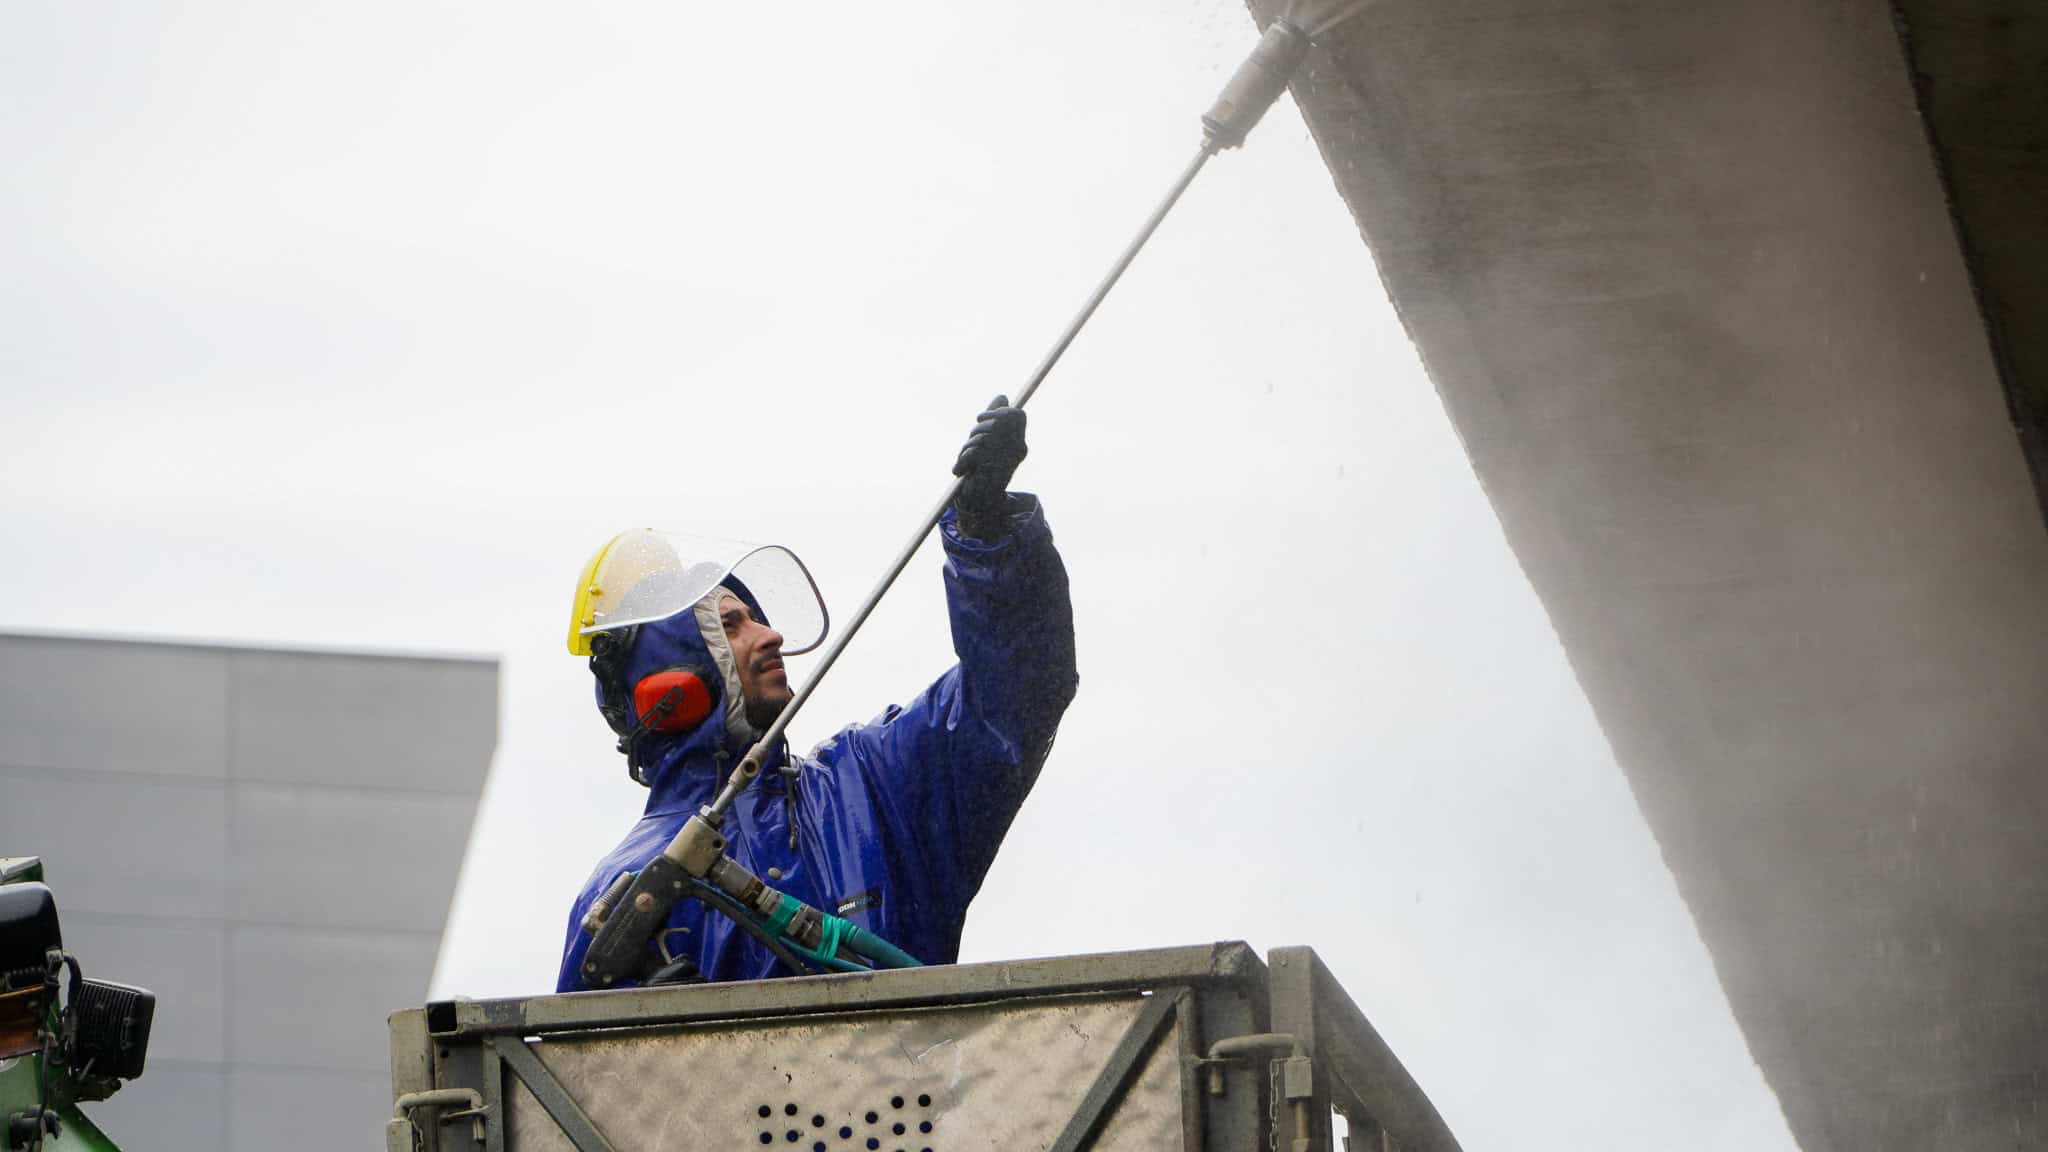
(738, 913)
(49, 1051)
(43, 1090)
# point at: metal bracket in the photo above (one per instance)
(1086, 1122)
(1297, 1078)
(568, 1115)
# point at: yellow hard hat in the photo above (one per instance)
(644, 575)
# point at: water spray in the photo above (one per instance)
(637, 905)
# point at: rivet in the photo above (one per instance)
(775, 873)
(644, 902)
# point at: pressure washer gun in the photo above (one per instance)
(636, 906)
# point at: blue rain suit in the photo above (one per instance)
(890, 824)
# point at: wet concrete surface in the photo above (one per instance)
(1687, 279)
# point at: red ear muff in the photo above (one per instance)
(691, 700)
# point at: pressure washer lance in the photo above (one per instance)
(636, 906)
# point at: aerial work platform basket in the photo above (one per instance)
(1199, 1048)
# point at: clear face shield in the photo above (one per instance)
(646, 575)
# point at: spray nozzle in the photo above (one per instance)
(1254, 87)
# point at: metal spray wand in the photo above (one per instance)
(638, 904)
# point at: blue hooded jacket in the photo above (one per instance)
(890, 824)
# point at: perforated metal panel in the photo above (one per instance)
(1004, 1076)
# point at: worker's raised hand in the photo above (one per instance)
(995, 447)
(986, 462)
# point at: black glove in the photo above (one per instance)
(988, 460)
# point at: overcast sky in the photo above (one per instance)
(362, 325)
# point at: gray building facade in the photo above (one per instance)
(269, 841)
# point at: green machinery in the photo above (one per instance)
(64, 1040)
(1196, 1048)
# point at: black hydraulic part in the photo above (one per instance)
(112, 1022)
(41, 1120)
(28, 931)
(28, 1127)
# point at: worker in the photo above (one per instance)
(891, 824)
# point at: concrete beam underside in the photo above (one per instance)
(1685, 279)
(1980, 68)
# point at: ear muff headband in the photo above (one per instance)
(691, 700)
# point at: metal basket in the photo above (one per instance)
(1188, 1048)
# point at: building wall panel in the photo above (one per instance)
(124, 708)
(268, 841)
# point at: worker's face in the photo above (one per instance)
(757, 653)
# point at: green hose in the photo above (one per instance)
(838, 938)
(873, 948)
